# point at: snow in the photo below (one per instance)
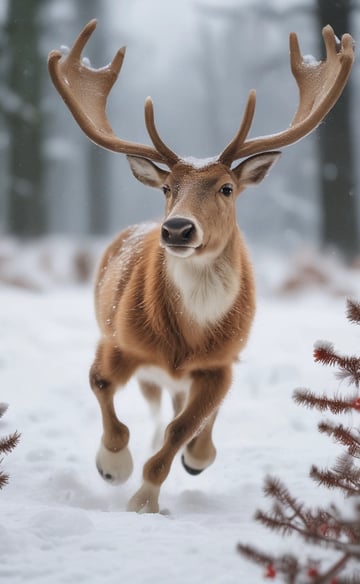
(311, 61)
(60, 523)
(199, 162)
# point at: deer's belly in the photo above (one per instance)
(158, 376)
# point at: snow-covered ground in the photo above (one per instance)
(59, 522)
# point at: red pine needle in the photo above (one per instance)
(313, 572)
(270, 572)
(355, 404)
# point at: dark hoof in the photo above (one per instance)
(105, 475)
(192, 471)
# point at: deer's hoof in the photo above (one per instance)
(145, 500)
(192, 471)
(114, 467)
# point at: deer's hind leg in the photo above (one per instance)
(152, 393)
(110, 369)
(200, 452)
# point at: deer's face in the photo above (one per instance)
(200, 210)
(200, 213)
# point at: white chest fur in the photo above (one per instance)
(207, 289)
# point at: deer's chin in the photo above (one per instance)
(180, 251)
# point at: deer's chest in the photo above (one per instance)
(207, 292)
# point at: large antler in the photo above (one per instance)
(85, 92)
(320, 86)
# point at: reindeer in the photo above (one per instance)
(175, 301)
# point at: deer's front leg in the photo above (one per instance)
(207, 391)
(110, 369)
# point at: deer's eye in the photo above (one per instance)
(226, 190)
(166, 189)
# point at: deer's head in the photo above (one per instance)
(200, 213)
(200, 195)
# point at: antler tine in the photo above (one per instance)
(79, 44)
(320, 86)
(228, 154)
(296, 59)
(154, 135)
(85, 91)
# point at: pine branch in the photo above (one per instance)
(342, 435)
(275, 489)
(8, 443)
(350, 374)
(286, 564)
(336, 405)
(275, 522)
(331, 480)
(326, 528)
(252, 553)
(292, 570)
(333, 570)
(353, 311)
(325, 353)
(4, 479)
(345, 468)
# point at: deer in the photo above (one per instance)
(175, 300)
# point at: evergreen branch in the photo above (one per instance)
(351, 375)
(286, 564)
(333, 570)
(255, 555)
(350, 366)
(342, 435)
(332, 480)
(353, 311)
(4, 479)
(336, 405)
(275, 489)
(324, 528)
(345, 467)
(8, 443)
(276, 523)
(344, 475)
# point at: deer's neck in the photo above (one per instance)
(208, 286)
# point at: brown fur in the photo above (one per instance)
(145, 320)
(148, 322)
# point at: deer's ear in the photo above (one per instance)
(254, 169)
(147, 172)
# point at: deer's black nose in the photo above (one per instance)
(177, 231)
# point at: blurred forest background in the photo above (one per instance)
(197, 59)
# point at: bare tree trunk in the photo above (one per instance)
(337, 177)
(3, 128)
(26, 206)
